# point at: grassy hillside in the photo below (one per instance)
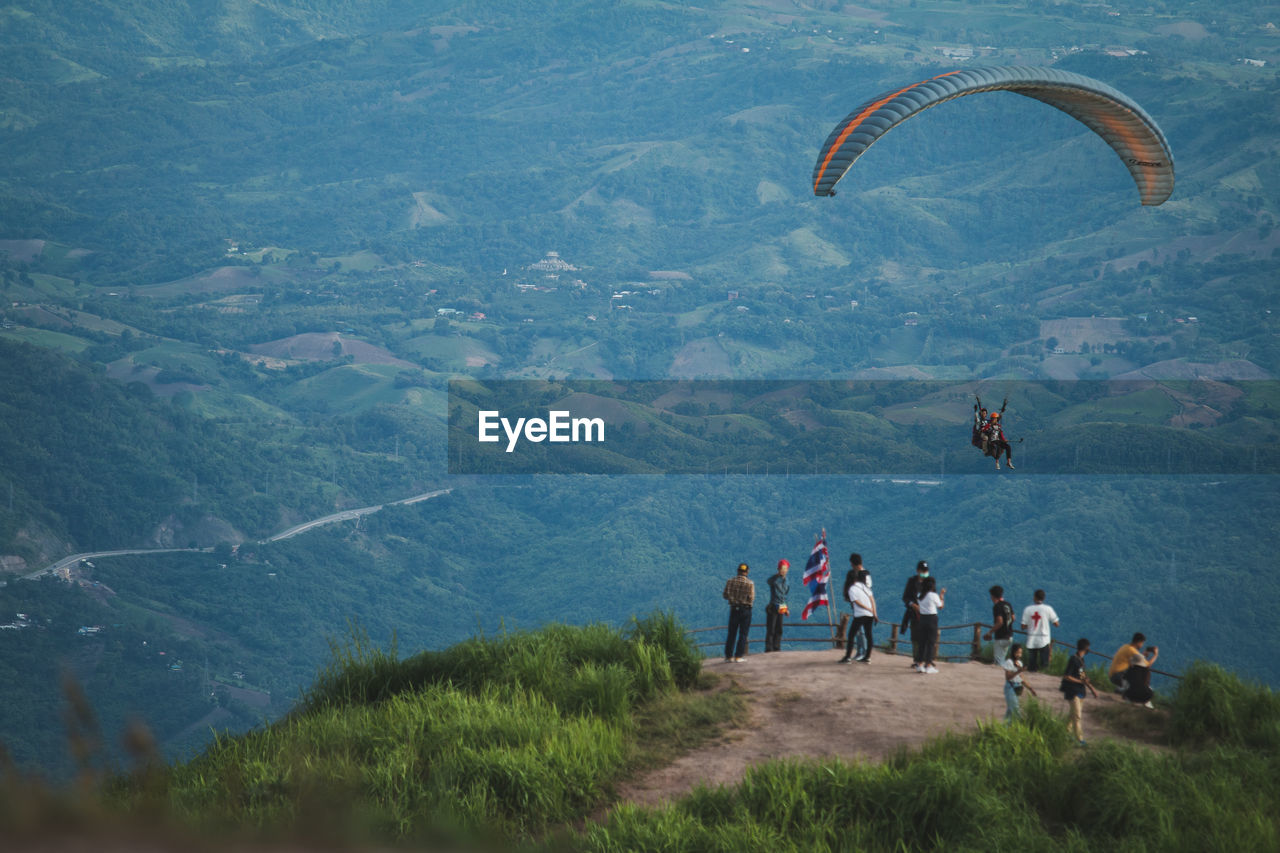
(520, 738)
(93, 463)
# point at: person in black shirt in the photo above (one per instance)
(1001, 633)
(777, 607)
(910, 595)
(1074, 682)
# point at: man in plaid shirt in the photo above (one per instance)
(740, 592)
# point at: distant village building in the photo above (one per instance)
(553, 263)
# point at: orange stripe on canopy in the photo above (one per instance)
(857, 120)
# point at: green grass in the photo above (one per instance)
(451, 351)
(347, 388)
(46, 338)
(523, 738)
(515, 736)
(1021, 786)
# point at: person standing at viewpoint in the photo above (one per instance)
(857, 570)
(1074, 682)
(740, 592)
(777, 607)
(910, 619)
(1013, 683)
(1001, 633)
(1036, 619)
(864, 615)
(927, 624)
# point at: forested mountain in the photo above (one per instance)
(243, 248)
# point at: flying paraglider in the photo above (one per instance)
(1115, 117)
(988, 433)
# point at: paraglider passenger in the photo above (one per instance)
(996, 441)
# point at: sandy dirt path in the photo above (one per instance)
(805, 704)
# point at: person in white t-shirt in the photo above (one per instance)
(1013, 686)
(861, 644)
(1036, 619)
(864, 613)
(929, 604)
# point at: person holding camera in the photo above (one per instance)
(1131, 670)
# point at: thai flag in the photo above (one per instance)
(817, 573)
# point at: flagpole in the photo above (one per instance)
(830, 623)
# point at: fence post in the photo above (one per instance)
(893, 639)
(977, 640)
(841, 632)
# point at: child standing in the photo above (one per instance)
(1013, 684)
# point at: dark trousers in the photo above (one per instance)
(772, 629)
(927, 627)
(1038, 659)
(863, 624)
(735, 645)
(1138, 687)
(910, 621)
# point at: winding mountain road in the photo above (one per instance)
(345, 515)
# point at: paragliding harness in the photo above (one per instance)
(985, 434)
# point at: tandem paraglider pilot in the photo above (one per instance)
(740, 592)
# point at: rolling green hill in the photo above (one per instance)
(522, 739)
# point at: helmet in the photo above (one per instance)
(786, 563)
(995, 416)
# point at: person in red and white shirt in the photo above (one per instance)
(1036, 619)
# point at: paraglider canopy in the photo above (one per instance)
(1115, 117)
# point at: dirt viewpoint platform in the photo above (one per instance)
(805, 704)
